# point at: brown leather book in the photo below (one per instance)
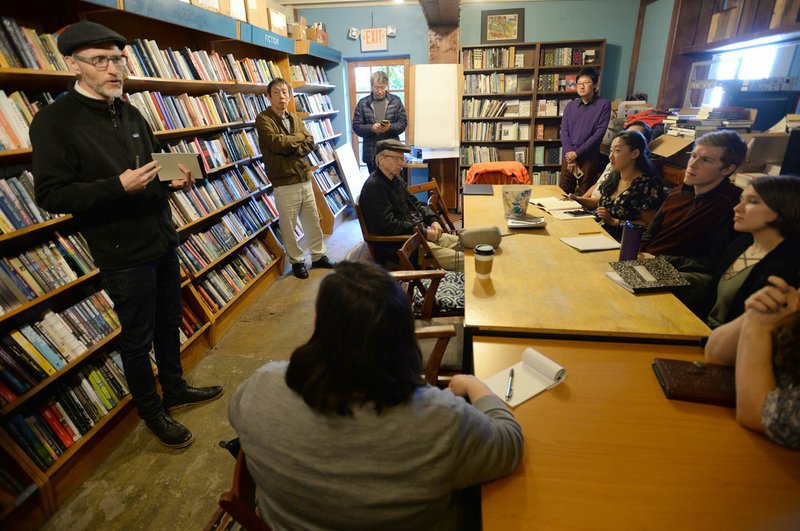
(695, 381)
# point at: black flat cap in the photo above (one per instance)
(391, 145)
(85, 33)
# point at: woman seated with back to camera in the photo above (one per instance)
(632, 192)
(348, 436)
(764, 345)
(768, 216)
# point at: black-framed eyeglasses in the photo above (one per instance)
(100, 62)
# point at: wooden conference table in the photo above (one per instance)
(606, 450)
(541, 286)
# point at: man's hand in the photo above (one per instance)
(571, 156)
(434, 232)
(180, 184)
(134, 181)
(378, 128)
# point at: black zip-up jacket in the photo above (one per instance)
(80, 148)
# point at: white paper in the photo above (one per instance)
(595, 242)
(526, 222)
(534, 374)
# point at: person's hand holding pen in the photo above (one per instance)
(180, 184)
(469, 387)
(135, 180)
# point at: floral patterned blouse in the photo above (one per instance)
(781, 414)
(645, 193)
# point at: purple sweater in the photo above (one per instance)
(583, 126)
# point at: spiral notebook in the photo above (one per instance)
(534, 374)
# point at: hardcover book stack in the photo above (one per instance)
(309, 74)
(22, 47)
(48, 431)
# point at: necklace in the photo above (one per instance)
(744, 261)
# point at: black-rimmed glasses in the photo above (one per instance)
(100, 62)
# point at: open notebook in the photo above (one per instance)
(534, 374)
(561, 208)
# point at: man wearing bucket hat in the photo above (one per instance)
(92, 159)
(390, 209)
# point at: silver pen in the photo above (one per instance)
(510, 386)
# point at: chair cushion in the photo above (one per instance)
(449, 295)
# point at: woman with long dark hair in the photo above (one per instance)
(633, 191)
(768, 216)
(348, 436)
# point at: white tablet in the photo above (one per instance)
(169, 165)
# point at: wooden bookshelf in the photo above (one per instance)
(498, 63)
(169, 24)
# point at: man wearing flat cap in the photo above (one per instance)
(390, 209)
(92, 159)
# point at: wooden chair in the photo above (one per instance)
(435, 203)
(433, 368)
(433, 292)
(371, 239)
(240, 502)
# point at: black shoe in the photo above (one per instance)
(191, 396)
(324, 263)
(300, 270)
(169, 432)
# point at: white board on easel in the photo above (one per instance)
(351, 173)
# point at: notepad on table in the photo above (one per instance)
(595, 242)
(525, 222)
(646, 275)
(554, 204)
(534, 374)
(169, 165)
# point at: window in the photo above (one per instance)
(748, 63)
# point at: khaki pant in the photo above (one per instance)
(296, 201)
(447, 252)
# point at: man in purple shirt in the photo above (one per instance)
(582, 128)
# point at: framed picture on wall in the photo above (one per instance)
(502, 26)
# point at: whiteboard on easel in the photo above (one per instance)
(436, 111)
(351, 173)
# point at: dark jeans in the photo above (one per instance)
(147, 299)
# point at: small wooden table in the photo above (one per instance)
(606, 450)
(541, 286)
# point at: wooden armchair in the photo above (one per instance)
(433, 292)
(371, 239)
(240, 502)
(435, 203)
(433, 368)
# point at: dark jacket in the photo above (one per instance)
(390, 209)
(284, 152)
(80, 148)
(364, 117)
(783, 261)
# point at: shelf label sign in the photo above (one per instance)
(374, 40)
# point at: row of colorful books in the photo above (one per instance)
(190, 324)
(38, 270)
(22, 47)
(327, 179)
(202, 248)
(16, 113)
(313, 103)
(220, 150)
(311, 74)
(483, 58)
(320, 129)
(552, 107)
(48, 432)
(207, 196)
(497, 83)
(567, 56)
(557, 83)
(146, 59)
(18, 209)
(166, 113)
(544, 178)
(322, 154)
(220, 286)
(482, 108)
(546, 155)
(40, 349)
(491, 131)
(337, 199)
(470, 155)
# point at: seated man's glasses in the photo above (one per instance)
(100, 62)
(396, 158)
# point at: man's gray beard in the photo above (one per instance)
(103, 91)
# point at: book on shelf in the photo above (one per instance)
(532, 375)
(696, 381)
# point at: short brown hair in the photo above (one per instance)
(734, 149)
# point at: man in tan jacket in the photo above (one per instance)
(285, 142)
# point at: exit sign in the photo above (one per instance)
(373, 40)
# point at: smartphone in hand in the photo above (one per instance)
(385, 122)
